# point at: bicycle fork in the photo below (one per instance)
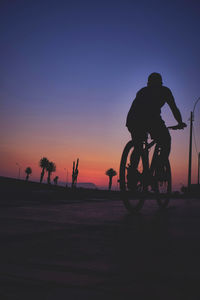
(146, 170)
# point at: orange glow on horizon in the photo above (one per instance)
(91, 168)
(97, 150)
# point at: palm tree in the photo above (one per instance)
(50, 168)
(43, 164)
(28, 171)
(110, 173)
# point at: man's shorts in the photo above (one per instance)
(157, 130)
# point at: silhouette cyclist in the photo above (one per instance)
(144, 117)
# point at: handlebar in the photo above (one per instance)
(178, 126)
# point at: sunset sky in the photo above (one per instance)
(69, 71)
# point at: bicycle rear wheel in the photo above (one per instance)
(163, 186)
(132, 191)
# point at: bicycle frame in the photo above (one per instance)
(147, 166)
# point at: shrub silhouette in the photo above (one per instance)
(55, 180)
(28, 171)
(110, 173)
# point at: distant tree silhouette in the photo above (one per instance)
(75, 173)
(55, 180)
(184, 189)
(28, 171)
(43, 164)
(51, 167)
(110, 173)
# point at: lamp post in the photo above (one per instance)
(19, 170)
(66, 177)
(190, 145)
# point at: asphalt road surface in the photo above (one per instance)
(96, 250)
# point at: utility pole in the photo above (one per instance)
(198, 168)
(190, 153)
(66, 177)
(190, 145)
(19, 170)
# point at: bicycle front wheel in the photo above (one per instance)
(163, 186)
(132, 189)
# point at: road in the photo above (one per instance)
(96, 250)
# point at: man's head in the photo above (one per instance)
(154, 79)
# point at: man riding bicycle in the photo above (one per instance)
(144, 117)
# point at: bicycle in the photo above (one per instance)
(147, 180)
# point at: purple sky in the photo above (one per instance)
(69, 70)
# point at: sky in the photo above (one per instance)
(69, 71)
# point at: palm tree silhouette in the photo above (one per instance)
(43, 164)
(28, 171)
(110, 173)
(51, 167)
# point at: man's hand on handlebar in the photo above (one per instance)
(179, 126)
(182, 125)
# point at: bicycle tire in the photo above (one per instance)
(132, 201)
(163, 187)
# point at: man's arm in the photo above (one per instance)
(176, 113)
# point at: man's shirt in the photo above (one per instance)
(146, 107)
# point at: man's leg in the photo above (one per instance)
(132, 172)
(162, 136)
(165, 145)
(138, 146)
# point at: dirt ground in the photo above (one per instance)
(96, 250)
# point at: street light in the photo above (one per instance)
(190, 145)
(66, 177)
(19, 170)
